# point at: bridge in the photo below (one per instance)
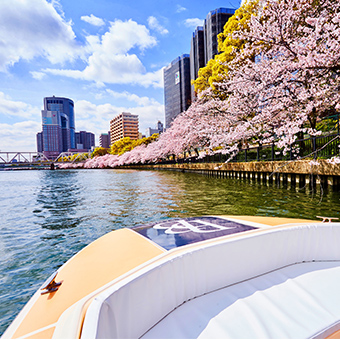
(11, 160)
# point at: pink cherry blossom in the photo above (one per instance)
(286, 78)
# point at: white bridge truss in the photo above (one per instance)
(34, 157)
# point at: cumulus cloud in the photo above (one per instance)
(38, 75)
(11, 108)
(132, 97)
(37, 28)
(93, 20)
(85, 109)
(96, 118)
(180, 9)
(19, 136)
(193, 22)
(110, 59)
(31, 28)
(155, 25)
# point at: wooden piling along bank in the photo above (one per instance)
(295, 173)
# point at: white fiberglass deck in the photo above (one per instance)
(277, 283)
(298, 301)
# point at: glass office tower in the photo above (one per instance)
(58, 126)
(213, 26)
(177, 88)
(197, 59)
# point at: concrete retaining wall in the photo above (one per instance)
(297, 173)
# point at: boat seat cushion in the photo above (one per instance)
(129, 308)
(299, 301)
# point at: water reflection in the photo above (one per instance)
(200, 195)
(57, 200)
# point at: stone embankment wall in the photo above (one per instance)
(297, 173)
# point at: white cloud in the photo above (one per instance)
(96, 118)
(38, 75)
(148, 115)
(19, 136)
(110, 60)
(93, 20)
(31, 28)
(193, 22)
(37, 28)
(124, 35)
(98, 113)
(180, 9)
(142, 101)
(11, 108)
(155, 25)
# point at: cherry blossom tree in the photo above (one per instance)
(295, 77)
(293, 81)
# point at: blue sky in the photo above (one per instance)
(106, 55)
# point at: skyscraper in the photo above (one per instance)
(177, 88)
(178, 92)
(124, 125)
(213, 26)
(40, 142)
(204, 41)
(197, 52)
(58, 126)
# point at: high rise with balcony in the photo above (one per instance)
(124, 125)
(177, 88)
(58, 128)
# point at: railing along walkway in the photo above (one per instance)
(315, 147)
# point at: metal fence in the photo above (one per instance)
(313, 147)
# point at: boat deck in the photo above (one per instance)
(299, 300)
(208, 277)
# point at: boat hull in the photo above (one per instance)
(125, 283)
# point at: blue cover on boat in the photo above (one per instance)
(179, 232)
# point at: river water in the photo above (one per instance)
(48, 216)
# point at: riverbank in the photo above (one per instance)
(297, 172)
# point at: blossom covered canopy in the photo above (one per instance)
(293, 80)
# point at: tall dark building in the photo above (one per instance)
(84, 140)
(204, 41)
(197, 52)
(213, 26)
(58, 126)
(40, 142)
(178, 92)
(104, 140)
(177, 88)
